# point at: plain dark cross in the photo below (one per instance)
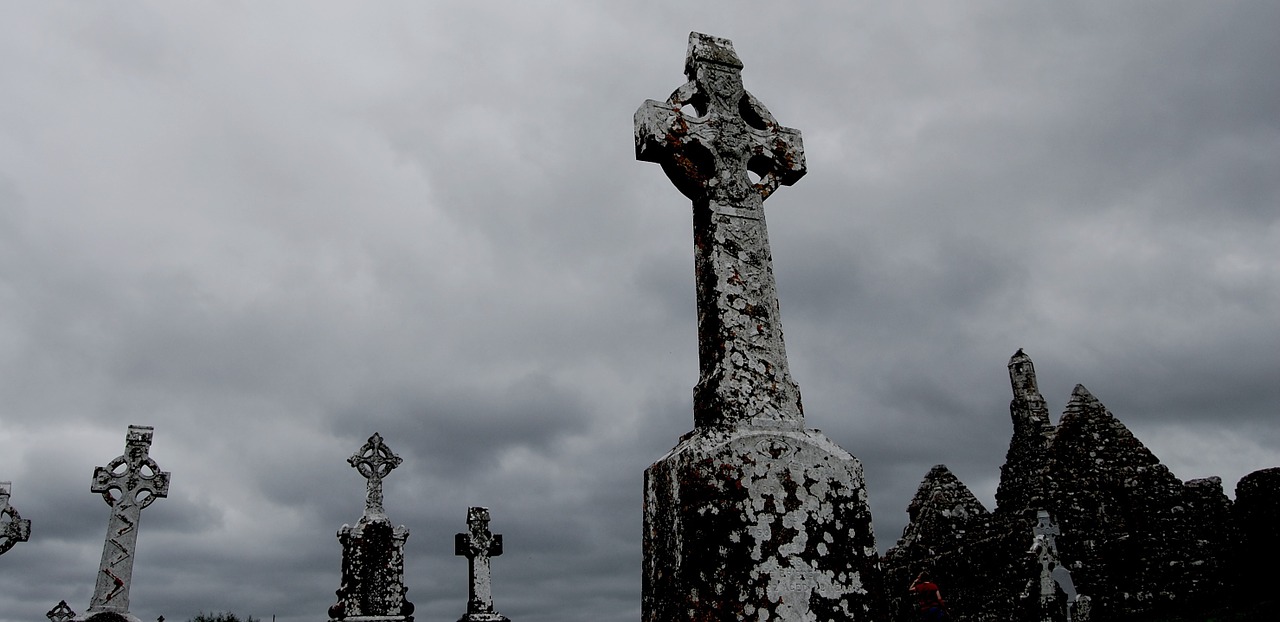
(724, 151)
(138, 481)
(478, 545)
(374, 461)
(60, 613)
(13, 528)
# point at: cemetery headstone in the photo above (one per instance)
(1054, 576)
(373, 587)
(751, 515)
(61, 612)
(13, 528)
(128, 484)
(479, 545)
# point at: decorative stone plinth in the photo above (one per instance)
(372, 573)
(758, 524)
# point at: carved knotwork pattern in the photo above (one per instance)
(61, 612)
(374, 460)
(709, 136)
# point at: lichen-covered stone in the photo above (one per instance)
(478, 545)
(943, 510)
(13, 527)
(707, 152)
(751, 516)
(1138, 542)
(943, 515)
(758, 524)
(1022, 477)
(372, 588)
(129, 483)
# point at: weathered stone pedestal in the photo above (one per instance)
(111, 616)
(373, 550)
(757, 524)
(751, 516)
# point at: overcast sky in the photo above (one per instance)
(271, 230)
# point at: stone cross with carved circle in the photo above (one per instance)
(374, 461)
(478, 545)
(128, 484)
(711, 137)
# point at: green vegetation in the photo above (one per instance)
(221, 616)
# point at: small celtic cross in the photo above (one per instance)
(374, 461)
(60, 613)
(13, 528)
(478, 545)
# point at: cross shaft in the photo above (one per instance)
(709, 153)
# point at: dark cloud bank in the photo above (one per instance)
(272, 231)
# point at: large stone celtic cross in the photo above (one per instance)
(374, 461)
(128, 484)
(711, 137)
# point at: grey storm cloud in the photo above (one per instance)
(270, 231)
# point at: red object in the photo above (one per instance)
(927, 595)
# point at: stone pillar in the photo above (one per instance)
(1023, 486)
(373, 551)
(751, 515)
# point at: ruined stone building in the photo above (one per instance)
(1083, 507)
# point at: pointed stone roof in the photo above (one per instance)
(1091, 445)
(1088, 427)
(942, 508)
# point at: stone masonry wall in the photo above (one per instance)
(1140, 543)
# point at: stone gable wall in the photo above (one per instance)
(1139, 542)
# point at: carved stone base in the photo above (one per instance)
(756, 523)
(372, 574)
(374, 619)
(484, 617)
(109, 616)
